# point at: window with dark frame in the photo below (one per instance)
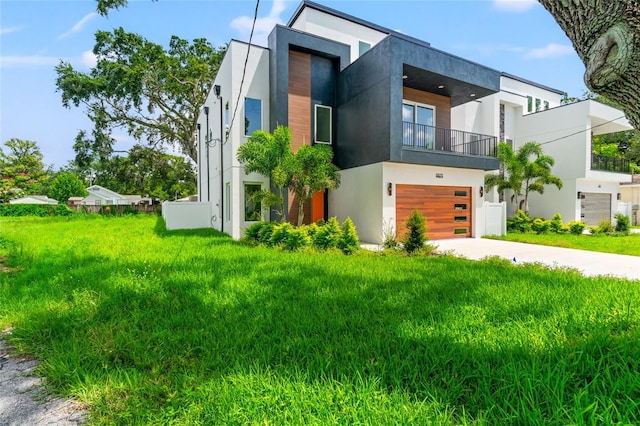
(323, 124)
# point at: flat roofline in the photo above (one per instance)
(313, 5)
(533, 83)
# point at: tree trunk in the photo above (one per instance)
(606, 36)
(300, 211)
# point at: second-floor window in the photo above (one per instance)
(418, 125)
(252, 115)
(323, 124)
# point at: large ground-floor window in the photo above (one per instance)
(252, 208)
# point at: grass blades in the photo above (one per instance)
(189, 327)
(628, 245)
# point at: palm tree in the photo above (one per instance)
(521, 174)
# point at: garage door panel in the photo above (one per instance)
(595, 207)
(447, 209)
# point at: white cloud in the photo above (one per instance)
(27, 61)
(79, 25)
(263, 26)
(9, 30)
(551, 50)
(517, 6)
(88, 59)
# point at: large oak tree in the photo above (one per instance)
(606, 36)
(155, 94)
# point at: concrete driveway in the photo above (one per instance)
(587, 262)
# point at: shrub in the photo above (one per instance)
(252, 232)
(594, 230)
(349, 242)
(541, 226)
(280, 233)
(311, 229)
(623, 223)
(296, 238)
(576, 227)
(416, 230)
(555, 224)
(519, 223)
(329, 235)
(264, 236)
(605, 227)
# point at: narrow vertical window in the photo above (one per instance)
(228, 201)
(252, 115)
(323, 124)
(529, 104)
(252, 208)
(546, 105)
(538, 104)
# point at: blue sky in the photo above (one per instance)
(515, 36)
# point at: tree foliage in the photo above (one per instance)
(153, 93)
(311, 170)
(268, 154)
(523, 175)
(66, 185)
(305, 172)
(22, 171)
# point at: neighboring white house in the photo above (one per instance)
(33, 199)
(101, 195)
(630, 194)
(412, 127)
(524, 111)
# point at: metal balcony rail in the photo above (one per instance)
(430, 138)
(610, 164)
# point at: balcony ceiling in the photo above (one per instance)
(460, 92)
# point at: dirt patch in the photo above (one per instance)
(23, 398)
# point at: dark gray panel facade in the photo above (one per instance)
(281, 40)
(370, 102)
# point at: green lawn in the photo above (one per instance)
(629, 245)
(190, 327)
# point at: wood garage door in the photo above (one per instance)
(447, 209)
(595, 207)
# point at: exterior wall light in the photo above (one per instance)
(390, 189)
(579, 195)
(216, 90)
(481, 191)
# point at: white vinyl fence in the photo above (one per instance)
(495, 218)
(186, 215)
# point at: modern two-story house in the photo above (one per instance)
(524, 111)
(411, 126)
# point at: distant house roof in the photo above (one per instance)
(33, 199)
(102, 193)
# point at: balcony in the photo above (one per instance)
(421, 137)
(610, 164)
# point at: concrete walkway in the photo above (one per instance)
(589, 263)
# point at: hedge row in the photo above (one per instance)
(320, 235)
(40, 210)
(522, 223)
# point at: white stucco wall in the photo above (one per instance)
(564, 201)
(256, 85)
(338, 29)
(360, 197)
